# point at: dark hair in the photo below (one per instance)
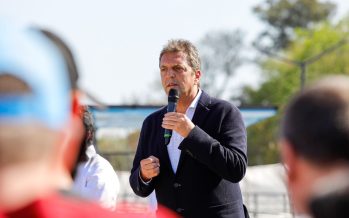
(87, 119)
(89, 132)
(68, 57)
(316, 122)
(88, 137)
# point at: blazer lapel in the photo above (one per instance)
(164, 156)
(202, 109)
(199, 118)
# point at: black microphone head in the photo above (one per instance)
(173, 95)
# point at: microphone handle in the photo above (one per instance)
(171, 107)
(167, 136)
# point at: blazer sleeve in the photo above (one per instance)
(226, 157)
(140, 188)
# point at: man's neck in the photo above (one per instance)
(185, 101)
(22, 184)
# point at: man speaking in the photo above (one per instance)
(197, 173)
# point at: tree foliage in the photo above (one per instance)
(282, 81)
(283, 16)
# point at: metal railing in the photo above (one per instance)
(268, 204)
(259, 205)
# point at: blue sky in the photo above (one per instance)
(116, 43)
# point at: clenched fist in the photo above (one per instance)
(150, 167)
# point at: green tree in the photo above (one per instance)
(282, 81)
(283, 16)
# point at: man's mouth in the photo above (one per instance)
(172, 85)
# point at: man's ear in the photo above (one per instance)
(75, 103)
(289, 159)
(75, 132)
(75, 137)
(197, 76)
(72, 135)
(67, 148)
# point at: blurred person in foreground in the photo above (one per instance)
(94, 177)
(66, 169)
(106, 189)
(35, 116)
(96, 180)
(197, 174)
(315, 149)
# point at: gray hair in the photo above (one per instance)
(185, 46)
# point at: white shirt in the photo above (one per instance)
(96, 180)
(172, 148)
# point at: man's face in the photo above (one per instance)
(176, 73)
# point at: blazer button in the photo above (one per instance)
(176, 185)
(180, 210)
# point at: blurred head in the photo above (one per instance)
(179, 64)
(71, 154)
(315, 136)
(34, 95)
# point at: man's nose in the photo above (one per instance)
(171, 73)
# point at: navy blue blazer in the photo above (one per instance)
(213, 160)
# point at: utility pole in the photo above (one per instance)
(302, 64)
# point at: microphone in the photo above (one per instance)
(171, 107)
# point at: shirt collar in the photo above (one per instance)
(90, 151)
(196, 100)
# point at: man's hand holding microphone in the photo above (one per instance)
(150, 167)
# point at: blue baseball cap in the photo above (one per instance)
(28, 55)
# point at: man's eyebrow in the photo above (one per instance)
(178, 65)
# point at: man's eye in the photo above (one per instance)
(178, 68)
